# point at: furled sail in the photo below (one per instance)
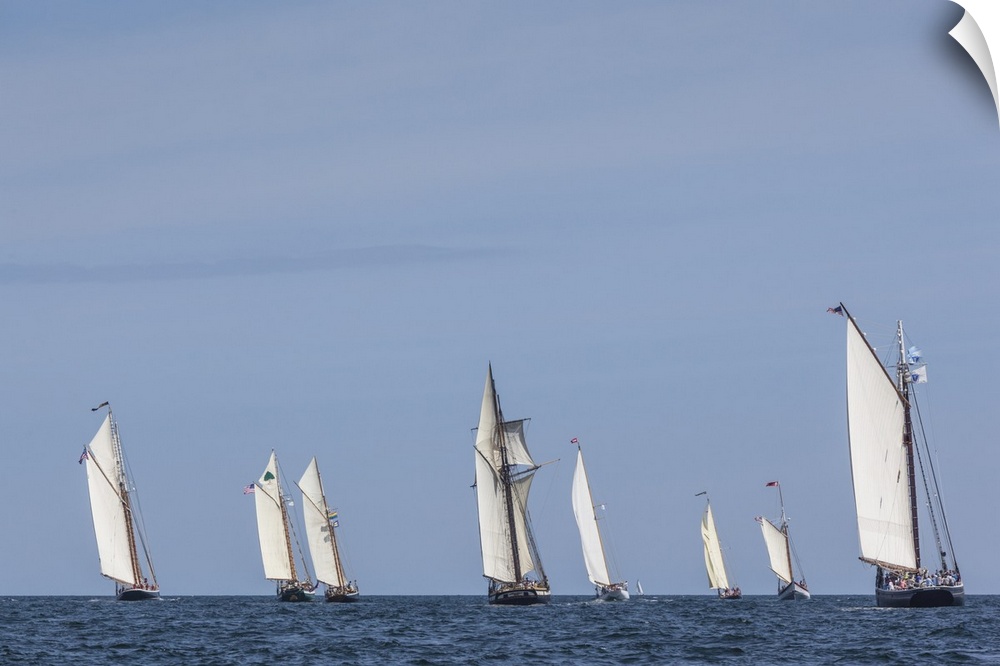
(491, 493)
(106, 479)
(875, 416)
(714, 564)
(777, 550)
(319, 529)
(586, 521)
(274, 546)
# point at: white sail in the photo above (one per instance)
(319, 530)
(517, 448)
(271, 524)
(714, 564)
(494, 522)
(105, 479)
(875, 415)
(638, 586)
(586, 521)
(777, 550)
(520, 489)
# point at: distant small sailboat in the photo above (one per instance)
(275, 534)
(590, 536)
(715, 564)
(638, 588)
(779, 551)
(504, 470)
(117, 522)
(322, 539)
(887, 446)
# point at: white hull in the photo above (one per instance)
(612, 594)
(793, 592)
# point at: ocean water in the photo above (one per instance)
(466, 630)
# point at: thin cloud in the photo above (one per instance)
(341, 259)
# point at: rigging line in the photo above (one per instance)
(614, 553)
(140, 524)
(325, 512)
(927, 495)
(306, 496)
(937, 495)
(291, 523)
(267, 494)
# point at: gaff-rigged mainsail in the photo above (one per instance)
(319, 529)
(106, 481)
(272, 525)
(875, 423)
(777, 550)
(117, 524)
(714, 564)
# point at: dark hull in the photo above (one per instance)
(519, 596)
(135, 594)
(295, 594)
(921, 597)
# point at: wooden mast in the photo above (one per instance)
(784, 530)
(123, 493)
(333, 539)
(505, 478)
(903, 385)
(284, 522)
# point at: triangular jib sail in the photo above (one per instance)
(586, 521)
(116, 525)
(714, 564)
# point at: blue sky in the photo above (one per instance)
(310, 226)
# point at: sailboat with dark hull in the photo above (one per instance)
(888, 448)
(274, 532)
(504, 470)
(117, 522)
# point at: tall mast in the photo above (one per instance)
(284, 521)
(902, 383)
(123, 492)
(333, 538)
(784, 530)
(505, 478)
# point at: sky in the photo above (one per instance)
(310, 227)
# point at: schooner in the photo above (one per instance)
(887, 448)
(715, 564)
(321, 536)
(590, 536)
(504, 470)
(117, 522)
(779, 551)
(275, 533)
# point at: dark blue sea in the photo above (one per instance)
(465, 630)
